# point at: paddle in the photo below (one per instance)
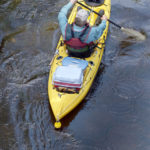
(130, 32)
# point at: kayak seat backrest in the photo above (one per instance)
(69, 61)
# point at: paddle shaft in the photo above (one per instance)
(99, 15)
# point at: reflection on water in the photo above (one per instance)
(115, 113)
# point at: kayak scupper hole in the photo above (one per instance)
(59, 57)
(91, 63)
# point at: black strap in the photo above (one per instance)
(83, 31)
(72, 33)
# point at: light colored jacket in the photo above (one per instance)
(95, 32)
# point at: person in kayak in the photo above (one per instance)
(79, 36)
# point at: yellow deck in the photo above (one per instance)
(63, 103)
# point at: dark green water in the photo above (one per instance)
(115, 115)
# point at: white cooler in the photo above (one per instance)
(70, 76)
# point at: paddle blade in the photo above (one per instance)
(133, 33)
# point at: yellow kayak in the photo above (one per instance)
(61, 102)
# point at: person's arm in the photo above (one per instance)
(97, 31)
(62, 16)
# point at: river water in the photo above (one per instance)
(115, 115)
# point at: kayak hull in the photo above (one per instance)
(63, 103)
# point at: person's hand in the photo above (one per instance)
(104, 17)
(73, 1)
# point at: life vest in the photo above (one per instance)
(75, 41)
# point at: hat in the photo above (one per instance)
(82, 14)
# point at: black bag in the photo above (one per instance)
(94, 2)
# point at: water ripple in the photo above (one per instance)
(128, 88)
